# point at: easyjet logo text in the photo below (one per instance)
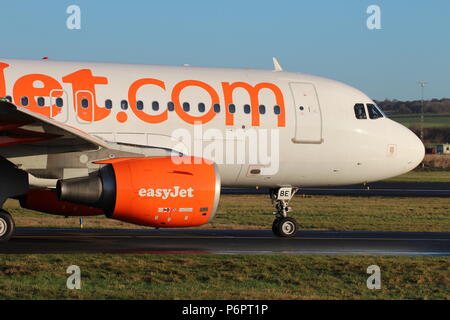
(175, 192)
(82, 90)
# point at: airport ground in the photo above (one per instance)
(312, 212)
(419, 214)
(223, 277)
(247, 276)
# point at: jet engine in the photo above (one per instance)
(158, 192)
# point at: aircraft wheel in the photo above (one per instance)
(275, 226)
(7, 226)
(285, 227)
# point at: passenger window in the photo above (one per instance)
(40, 101)
(84, 103)
(170, 106)
(232, 108)
(247, 108)
(139, 105)
(186, 107)
(59, 102)
(24, 101)
(155, 105)
(216, 108)
(124, 104)
(201, 107)
(262, 109)
(360, 111)
(108, 104)
(374, 112)
(276, 110)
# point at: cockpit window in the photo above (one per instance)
(374, 112)
(360, 111)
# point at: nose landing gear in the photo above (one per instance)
(7, 226)
(283, 226)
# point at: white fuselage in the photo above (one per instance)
(313, 136)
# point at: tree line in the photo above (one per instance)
(433, 135)
(411, 107)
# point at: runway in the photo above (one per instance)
(210, 241)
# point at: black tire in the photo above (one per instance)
(275, 226)
(286, 227)
(7, 226)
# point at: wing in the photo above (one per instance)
(25, 133)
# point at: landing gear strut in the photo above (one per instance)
(7, 226)
(283, 226)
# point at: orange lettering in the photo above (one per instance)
(253, 91)
(132, 99)
(33, 86)
(187, 117)
(83, 87)
(3, 66)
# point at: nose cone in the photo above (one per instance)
(411, 150)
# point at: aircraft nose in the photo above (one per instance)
(412, 149)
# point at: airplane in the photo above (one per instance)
(153, 145)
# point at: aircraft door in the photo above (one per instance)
(308, 116)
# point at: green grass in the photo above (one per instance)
(342, 213)
(222, 277)
(312, 213)
(423, 176)
(430, 120)
(244, 276)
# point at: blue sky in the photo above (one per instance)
(323, 37)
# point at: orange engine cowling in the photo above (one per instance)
(158, 192)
